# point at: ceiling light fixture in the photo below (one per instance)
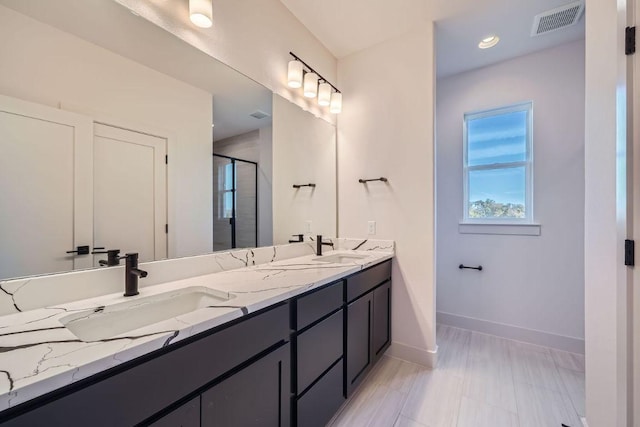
(300, 74)
(488, 42)
(201, 13)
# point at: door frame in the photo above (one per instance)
(608, 201)
(634, 214)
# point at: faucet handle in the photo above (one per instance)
(113, 257)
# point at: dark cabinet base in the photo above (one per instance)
(294, 363)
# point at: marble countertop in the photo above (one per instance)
(38, 354)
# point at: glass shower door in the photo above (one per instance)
(235, 203)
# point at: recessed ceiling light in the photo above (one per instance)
(488, 42)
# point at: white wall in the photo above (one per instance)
(255, 146)
(530, 282)
(606, 283)
(44, 65)
(386, 129)
(304, 152)
(254, 37)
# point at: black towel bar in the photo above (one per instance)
(304, 185)
(462, 267)
(364, 181)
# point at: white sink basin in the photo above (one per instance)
(340, 258)
(113, 320)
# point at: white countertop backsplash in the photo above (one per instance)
(38, 354)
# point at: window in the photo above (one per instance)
(498, 165)
(225, 190)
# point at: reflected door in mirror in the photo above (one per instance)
(46, 189)
(130, 197)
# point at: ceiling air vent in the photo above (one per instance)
(555, 19)
(259, 114)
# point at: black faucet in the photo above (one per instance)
(320, 243)
(131, 274)
(113, 257)
(300, 238)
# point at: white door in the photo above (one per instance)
(130, 192)
(45, 188)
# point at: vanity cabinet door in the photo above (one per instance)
(256, 396)
(381, 319)
(359, 329)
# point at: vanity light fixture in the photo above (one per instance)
(201, 13)
(295, 74)
(300, 74)
(336, 103)
(488, 42)
(310, 85)
(324, 94)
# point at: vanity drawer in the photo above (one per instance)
(157, 381)
(321, 402)
(314, 305)
(319, 347)
(363, 282)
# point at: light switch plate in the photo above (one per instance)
(307, 226)
(372, 228)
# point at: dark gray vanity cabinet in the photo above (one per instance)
(368, 321)
(256, 396)
(292, 364)
(318, 349)
(153, 387)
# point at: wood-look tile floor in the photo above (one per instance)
(481, 381)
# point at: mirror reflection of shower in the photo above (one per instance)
(242, 174)
(235, 203)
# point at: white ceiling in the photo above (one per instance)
(457, 37)
(111, 26)
(346, 27)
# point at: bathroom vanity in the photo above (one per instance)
(289, 344)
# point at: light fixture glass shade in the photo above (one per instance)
(324, 94)
(295, 74)
(310, 85)
(336, 103)
(201, 13)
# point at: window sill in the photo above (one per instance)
(506, 229)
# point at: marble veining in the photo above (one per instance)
(38, 354)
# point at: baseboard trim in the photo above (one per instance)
(416, 355)
(560, 342)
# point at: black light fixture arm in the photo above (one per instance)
(320, 78)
